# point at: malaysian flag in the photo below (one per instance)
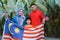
(34, 33)
(14, 32)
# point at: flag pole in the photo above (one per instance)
(4, 29)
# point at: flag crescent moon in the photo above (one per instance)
(9, 27)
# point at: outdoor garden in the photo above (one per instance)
(50, 8)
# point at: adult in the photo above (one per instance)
(19, 19)
(37, 18)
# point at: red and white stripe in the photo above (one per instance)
(34, 33)
(7, 37)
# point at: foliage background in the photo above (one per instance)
(50, 8)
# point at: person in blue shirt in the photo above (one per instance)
(20, 20)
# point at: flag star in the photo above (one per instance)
(17, 30)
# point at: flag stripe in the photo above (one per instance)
(38, 37)
(34, 34)
(7, 36)
(31, 28)
(36, 31)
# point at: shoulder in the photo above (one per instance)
(38, 10)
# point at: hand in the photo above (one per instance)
(46, 18)
(5, 14)
(43, 21)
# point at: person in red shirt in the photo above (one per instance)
(37, 18)
(36, 15)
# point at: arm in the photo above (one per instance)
(23, 24)
(42, 17)
(14, 21)
(43, 21)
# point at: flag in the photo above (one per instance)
(32, 33)
(12, 31)
(6, 33)
(15, 32)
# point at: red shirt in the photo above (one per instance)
(36, 17)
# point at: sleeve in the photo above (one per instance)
(41, 15)
(19, 26)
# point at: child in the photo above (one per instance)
(28, 25)
(31, 33)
